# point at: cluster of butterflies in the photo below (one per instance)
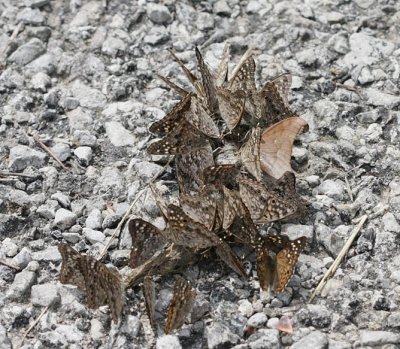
(232, 145)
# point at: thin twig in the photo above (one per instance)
(348, 188)
(349, 88)
(15, 174)
(331, 271)
(33, 325)
(47, 149)
(117, 229)
(10, 265)
(372, 215)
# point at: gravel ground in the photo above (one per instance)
(80, 75)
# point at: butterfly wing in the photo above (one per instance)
(181, 305)
(149, 293)
(250, 153)
(231, 106)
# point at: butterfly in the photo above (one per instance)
(146, 241)
(202, 208)
(100, 284)
(149, 293)
(276, 259)
(276, 145)
(220, 174)
(181, 305)
(264, 205)
(231, 106)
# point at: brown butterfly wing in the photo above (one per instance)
(200, 118)
(182, 92)
(70, 269)
(231, 106)
(208, 83)
(229, 257)
(276, 146)
(244, 78)
(186, 232)
(149, 293)
(221, 73)
(146, 241)
(173, 119)
(219, 175)
(286, 260)
(181, 305)
(202, 208)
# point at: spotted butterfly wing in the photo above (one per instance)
(276, 259)
(181, 305)
(222, 70)
(186, 232)
(200, 118)
(220, 174)
(100, 284)
(182, 92)
(173, 119)
(146, 241)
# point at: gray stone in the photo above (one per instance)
(36, 3)
(73, 238)
(295, 231)
(21, 285)
(22, 156)
(314, 340)
(368, 117)
(93, 236)
(23, 258)
(69, 103)
(62, 151)
(146, 170)
(94, 219)
(378, 338)
(300, 155)
(70, 333)
(205, 21)
(45, 63)
(334, 240)
(390, 223)
(334, 344)
(48, 210)
(9, 247)
(111, 180)
(79, 119)
(64, 219)
(364, 4)
(245, 308)
(50, 254)
(373, 133)
(315, 315)
(27, 52)
(62, 199)
(30, 16)
(219, 336)
(168, 342)
(41, 81)
(113, 46)
(158, 14)
(339, 43)
(96, 329)
(44, 295)
(265, 339)
(11, 79)
(222, 8)
(307, 57)
(273, 322)
(345, 133)
(257, 320)
(84, 155)
(5, 343)
(334, 17)
(131, 326)
(157, 35)
(393, 320)
(119, 136)
(365, 76)
(201, 307)
(84, 138)
(331, 188)
(88, 97)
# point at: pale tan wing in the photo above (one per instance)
(276, 146)
(231, 106)
(221, 73)
(282, 84)
(233, 207)
(286, 260)
(250, 153)
(149, 292)
(181, 305)
(173, 119)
